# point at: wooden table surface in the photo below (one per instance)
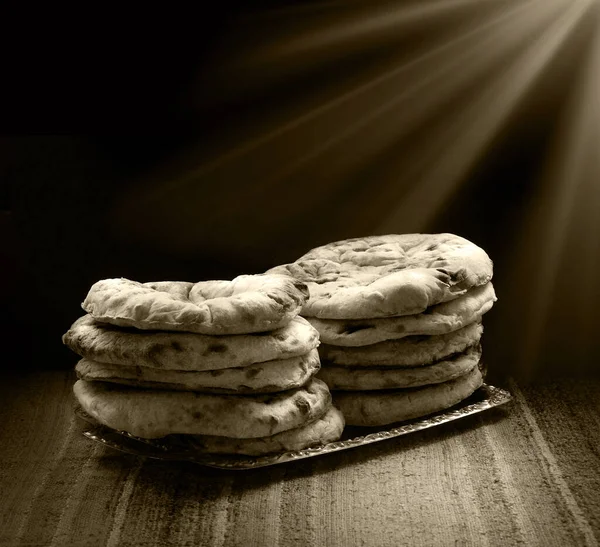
(524, 474)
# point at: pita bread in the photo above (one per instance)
(150, 413)
(388, 276)
(440, 319)
(187, 351)
(411, 351)
(373, 408)
(248, 303)
(266, 377)
(370, 378)
(325, 429)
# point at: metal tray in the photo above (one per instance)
(484, 398)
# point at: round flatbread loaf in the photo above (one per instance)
(187, 351)
(248, 303)
(386, 276)
(150, 413)
(325, 429)
(440, 319)
(266, 377)
(373, 408)
(370, 378)
(411, 351)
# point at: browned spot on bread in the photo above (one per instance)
(280, 337)
(126, 354)
(215, 373)
(363, 412)
(273, 422)
(302, 405)
(301, 287)
(154, 350)
(325, 279)
(352, 328)
(420, 337)
(252, 372)
(278, 299)
(443, 275)
(453, 276)
(176, 346)
(247, 315)
(397, 268)
(268, 399)
(216, 348)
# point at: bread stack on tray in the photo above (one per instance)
(399, 318)
(228, 364)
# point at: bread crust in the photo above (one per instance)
(376, 378)
(411, 351)
(187, 351)
(150, 413)
(246, 304)
(265, 377)
(375, 408)
(439, 319)
(328, 428)
(388, 276)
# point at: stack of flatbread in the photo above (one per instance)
(228, 364)
(399, 318)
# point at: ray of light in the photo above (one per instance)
(475, 128)
(498, 33)
(365, 26)
(254, 68)
(569, 203)
(418, 90)
(387, 106)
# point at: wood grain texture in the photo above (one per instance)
(527, 474)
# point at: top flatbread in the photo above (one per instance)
(248, 303)
(385, 276)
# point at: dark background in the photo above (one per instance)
(102, 121)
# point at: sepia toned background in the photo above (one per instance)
(261, 132)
